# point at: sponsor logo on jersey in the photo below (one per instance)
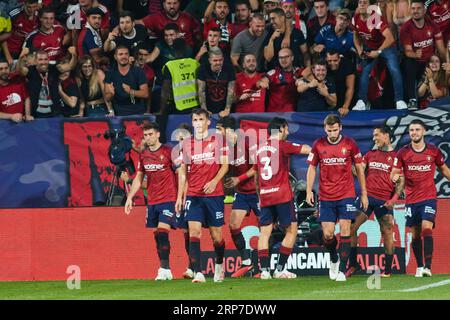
(271, 190)
(421, 168)
(203, 156)
(239, 161)
(424, 43)
(153, 167)
(267, 148)
(379, 166)
(338, 161)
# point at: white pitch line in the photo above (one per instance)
(428, 286)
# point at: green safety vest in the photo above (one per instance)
(184, 86)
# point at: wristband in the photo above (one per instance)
(242, 177)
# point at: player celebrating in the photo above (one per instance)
(245, 199)
(419, 160)
(335, 154)
(155, 162)
(382, 195)
(275, 195)
(207, 159)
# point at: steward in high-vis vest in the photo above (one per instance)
(179, 89)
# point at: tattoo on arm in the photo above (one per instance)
(230, 95)
(202, 93)
(400, 185)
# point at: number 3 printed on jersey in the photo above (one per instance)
(267, 170)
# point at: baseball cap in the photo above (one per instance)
(345, 12)
(276, 1)
(95, 10)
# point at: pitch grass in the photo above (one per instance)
(313, 287)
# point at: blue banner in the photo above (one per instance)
(64, 162)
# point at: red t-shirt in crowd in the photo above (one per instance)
(158, 167)
(419, 169)
(247, 84)
(52, 43)
(240, 164)
(282, 90)
(379, 165)
(186, 23)
(203, 160)
(372, 37)
(226, 33)
(273, 165)
(440, 14)
(22, 26)
(238, 28)
(13, 95)
(335, 165)
(104, 25)
(421, 38)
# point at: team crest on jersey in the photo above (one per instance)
(428, 158)
(429, 33)
(209, 146)
(389, 159)
(42, 44)
(344, 151)
(161, 157)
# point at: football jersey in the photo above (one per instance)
(379, 165)
(440, 14)
(22, 26)
(52, 43)
(203, 159)
(158, 167)
(283, 91)
(13, 95)
(240, 164)
(372, 38)
(272, 165)
(421, 38)
(419, 169)
(246, 84)
(335, 165)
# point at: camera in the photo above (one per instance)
(121, 145)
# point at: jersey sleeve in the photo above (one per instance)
(398, 161)
(439, 160)
(365, 158)
(405, 35)
(320, 37)
(140, 165)
(289, 148)
(149, 21)
(356, 153)
(313, 157)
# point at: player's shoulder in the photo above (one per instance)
(433, 148)
(320, 142)
(14, 13)
(349, 140)
(405, 149)
(103, 8)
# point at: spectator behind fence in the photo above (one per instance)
(250, 41)
(250, 91)
(43, 80)
(24, 21)
(420, 38)
(322, 18)
(288, 7)
(273, 41)
(216, 16)
(141, 55)
(371, 43)
(83, 7)
(14, 99)
(317, 92)
(216, 84)
(69, 95)
(91, 82)
(212, 41)
(281, 83)
(188, 27)
(50, 37)
(126, 85)
(434, 83)
(89, 39)
(127, 33)
(342, 72)
(338, 38)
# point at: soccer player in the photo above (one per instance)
(206, 156)
(335, 155)
(155, 161)
(245, 198)
(275, 195)
(382, 195)
(419, 160)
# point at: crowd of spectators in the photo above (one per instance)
(97, 58)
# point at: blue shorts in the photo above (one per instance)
(207, 210)
(417, 212)
(181, 220)
(282, 213)
(332, 211)
(375, 205)
(247, 202)
(161, 212)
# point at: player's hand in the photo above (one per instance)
(179, 205)
(343, 111)
(395, 177)
(17, 117)
(29, 118)
(245, 96)
(319, 48)
(364, 202)
(128, 205)
(286, 43)
(313, 83)
(231, 182)
(224, 113)
(72, 50)
(323, 90)
(210, 187)
(446, 67)
(263, 83)
(310, 198)
(275, 34)
(126, 88)
(418, 53)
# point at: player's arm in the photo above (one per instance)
(211, 185)
(182, 188)
(396, 173)
(64, 67)
(306, 149)
(135, 186)
(445, 171)
(234, 181)
(360, 173)
(399, 186)
(310, 177)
